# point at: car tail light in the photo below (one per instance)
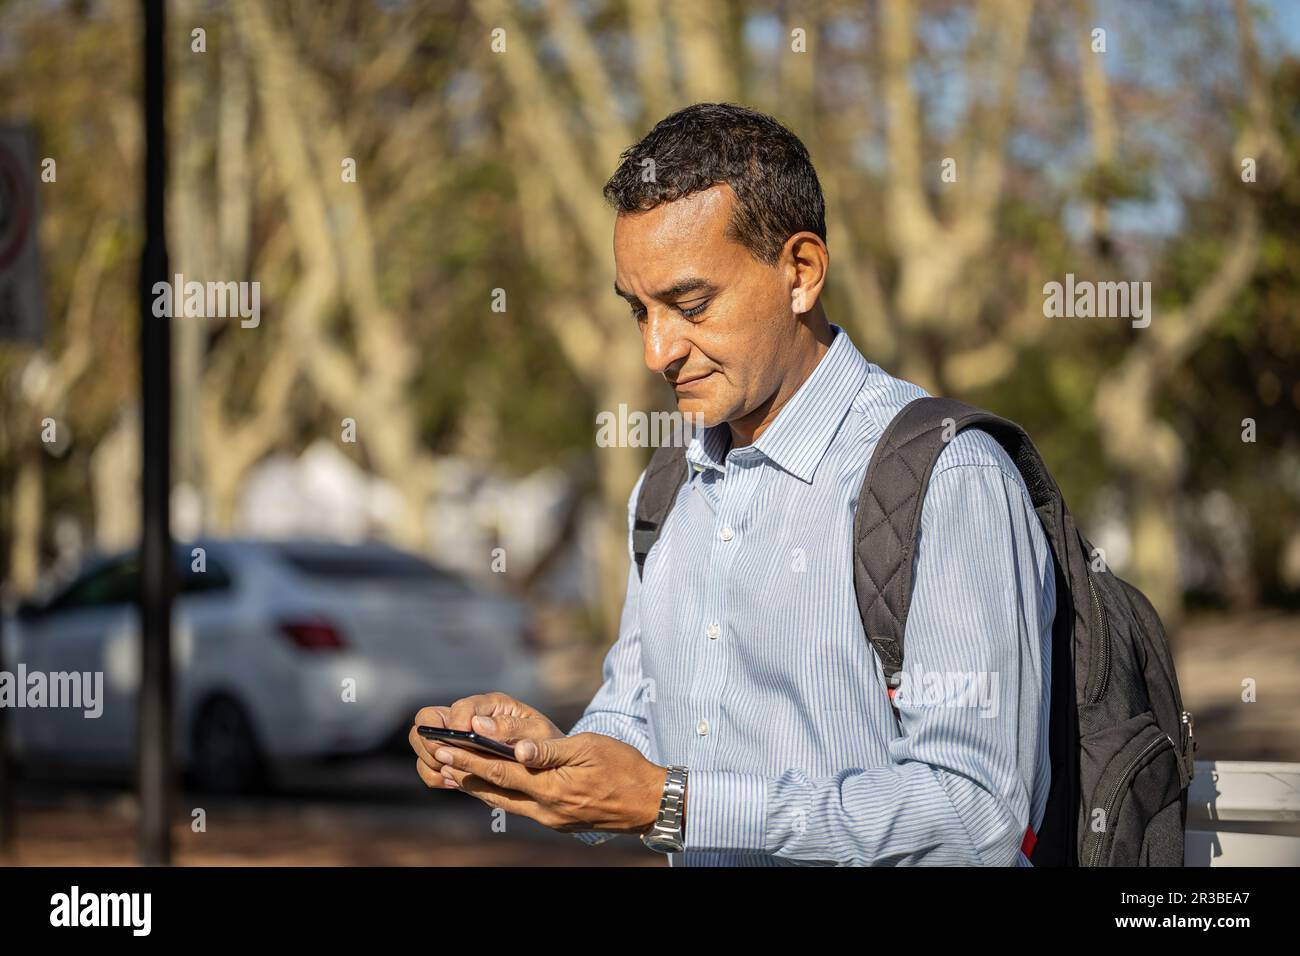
(313, 635)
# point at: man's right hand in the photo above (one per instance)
(494, 715)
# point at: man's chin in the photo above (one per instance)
(698, 413)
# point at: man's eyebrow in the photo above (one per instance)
(680, 288)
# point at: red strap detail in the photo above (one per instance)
(1027, 845)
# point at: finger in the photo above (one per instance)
(435, 716)
(499, 771)
(483, 789)
(547, 753)
(463, 710)
(424, 749)
(427, 717)
(507, 727)
(511, 801)
(432, 778)
(416, 741)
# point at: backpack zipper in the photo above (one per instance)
(1190, 746)
(1105, 645)
(1119, 786)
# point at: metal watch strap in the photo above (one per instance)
(666, 835)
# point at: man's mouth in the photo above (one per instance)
(686, 384)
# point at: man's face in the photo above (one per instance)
(706, 308)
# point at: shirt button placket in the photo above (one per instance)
(723, 558)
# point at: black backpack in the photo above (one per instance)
(1121, 745)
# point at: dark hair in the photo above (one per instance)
(698, 147)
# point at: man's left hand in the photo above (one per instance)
(571, 784)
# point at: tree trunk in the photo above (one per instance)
(29, 509)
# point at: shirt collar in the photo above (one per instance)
(797, 439)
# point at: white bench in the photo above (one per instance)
(1243, 813)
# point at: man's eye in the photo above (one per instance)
(695, 309)
(638, 314)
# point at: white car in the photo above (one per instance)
(282, 649)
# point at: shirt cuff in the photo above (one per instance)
(595, 837)
(726, 811)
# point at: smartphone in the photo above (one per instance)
(468, 739)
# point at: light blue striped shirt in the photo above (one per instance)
(742, 655)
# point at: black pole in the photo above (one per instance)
(156, 559)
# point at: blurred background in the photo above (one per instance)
(392, 477)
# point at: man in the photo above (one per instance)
(741, 678)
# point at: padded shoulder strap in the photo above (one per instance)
(663, 479)
(888, 517)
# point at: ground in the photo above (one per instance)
(377, 813)
(1213, 656)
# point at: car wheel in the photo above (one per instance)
(226, 757)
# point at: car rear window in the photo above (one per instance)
(365, 565)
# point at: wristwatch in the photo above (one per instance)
(666, 835)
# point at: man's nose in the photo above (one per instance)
(665, 347)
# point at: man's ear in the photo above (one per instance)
(808, 261)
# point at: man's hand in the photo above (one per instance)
(494, 715)
(572, 784)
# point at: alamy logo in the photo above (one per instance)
(977, 690)
(1102, 300)
(76, 689)
(183, 299)
(638, 429)
(102, 909)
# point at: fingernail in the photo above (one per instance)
(528, 749)
(444, 755)
(487, 725)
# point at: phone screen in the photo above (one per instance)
(468, 739)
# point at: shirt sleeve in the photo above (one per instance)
(618, 709)
(957, 790)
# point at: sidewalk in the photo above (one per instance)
(106, 836)
(1214, 654)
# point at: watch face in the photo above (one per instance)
(662, 842)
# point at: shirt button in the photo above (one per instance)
(702, 728)
(713, 631)
(726, 534)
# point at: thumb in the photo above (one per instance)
(543, 754)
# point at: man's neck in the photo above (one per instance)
(745, 431)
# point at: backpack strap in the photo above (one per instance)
(663, 478)
(888, 517)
